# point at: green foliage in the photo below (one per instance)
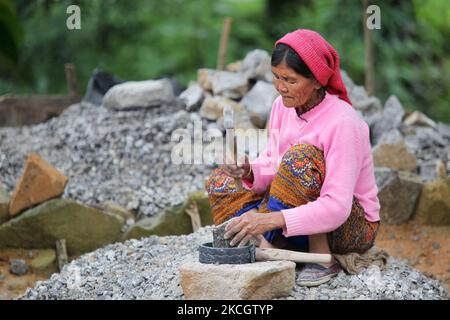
(142, 39)
(10, 36)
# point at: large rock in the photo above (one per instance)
(434, 203)
(391, 152)
(230, 85)
(139, 94)
(258, 102)
(84, 228)
(192, 97)
(38, 183)
(212, 107)
(172, 221)
(256, 65)
(392, 118)
(259, 280)
(4, 204)
(398, 192)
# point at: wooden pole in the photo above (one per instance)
(368, 52)
(71, 78)
(61, 253)
(223, 44)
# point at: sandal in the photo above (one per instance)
(313, 274)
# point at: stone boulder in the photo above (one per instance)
(192, 97)
(258, 102)
(398, 192)
(250, 281)
(256, 65)
(392, 117)
(212, 107)
(172, 221)
(38, 183)
(84, 228)
(434, 204)
(391, 152)
(4, 204)
(139, 94)
(230, 85)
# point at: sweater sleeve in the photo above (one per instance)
(343, 157)
(265, 165)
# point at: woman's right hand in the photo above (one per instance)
(236, 170)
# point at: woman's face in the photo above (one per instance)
(295, 89)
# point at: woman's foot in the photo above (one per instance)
(314, 274)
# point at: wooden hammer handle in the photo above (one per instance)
(295, 256)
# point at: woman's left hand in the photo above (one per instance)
(252, 224)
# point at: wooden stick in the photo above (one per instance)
(368, 51)
(61, 253)
(193, 213)
(71, 78)
(223, 44)
(300, 257)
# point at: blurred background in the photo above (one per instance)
(143, 39)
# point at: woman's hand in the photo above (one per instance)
(238, 171)
(252, 224)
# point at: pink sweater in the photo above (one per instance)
(335, 128)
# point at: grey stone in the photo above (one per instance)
(444, 129)
(258, 102)
(398, 193)
(392, 118)
(391, 152)
(230, 85)
(256, 65)
(18, 267)
(192, 97)
(139, 94)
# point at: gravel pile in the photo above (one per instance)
(149, 269)
(118, 156)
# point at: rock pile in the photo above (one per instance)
(150, 269)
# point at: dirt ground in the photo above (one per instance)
(426, 248)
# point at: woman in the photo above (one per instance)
(314, 185)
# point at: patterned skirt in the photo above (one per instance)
(298, 181)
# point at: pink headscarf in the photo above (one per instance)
(320, 57)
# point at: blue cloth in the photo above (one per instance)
(275, 205)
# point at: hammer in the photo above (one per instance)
(231, 147)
